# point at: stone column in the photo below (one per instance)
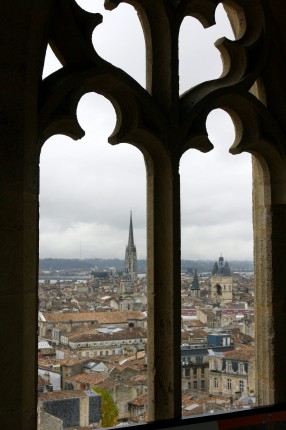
(269, 220)
(164, 292)
(18, 219)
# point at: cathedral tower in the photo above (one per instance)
(221, 282)
(130, 254)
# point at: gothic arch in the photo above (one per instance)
(218, 289)
(163, 126)
(144, 121)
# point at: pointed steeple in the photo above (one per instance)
(130, 253)
(130, 238)
(195, 286)
(195, 283)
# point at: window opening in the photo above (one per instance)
(52, 64)
(124, 47)
(208, 216)
(216, 220)
(82, 250)
(197, 50)
(87, 191)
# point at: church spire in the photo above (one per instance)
(131, 238)
(130, 253)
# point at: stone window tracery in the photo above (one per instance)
(163, 125)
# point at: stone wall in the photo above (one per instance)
(47, 421)
(75, 411)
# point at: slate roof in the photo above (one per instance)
(221, 268)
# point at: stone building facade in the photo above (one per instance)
(102, 342)
(195, 363)
(232, 373)
(74, 409)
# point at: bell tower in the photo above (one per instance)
(221, 282)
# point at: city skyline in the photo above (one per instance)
(88, 187)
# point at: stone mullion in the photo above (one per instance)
(164, 293)
(269, 221)
(18, 221)
(262, 224)
(270, 303)
(19, 240)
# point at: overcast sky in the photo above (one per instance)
(88, 187)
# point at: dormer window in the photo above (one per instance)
(228, 366)
(241, 368)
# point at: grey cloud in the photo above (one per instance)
(89, 187)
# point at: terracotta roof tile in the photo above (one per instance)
(139, 401)
(136, 332)
(102, 317)
(88, 378)
(57, 395)
(246, 353)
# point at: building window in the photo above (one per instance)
(199, 359)
(241, 368)
(187, 372)
(215, 383)
(229, 366)
(195, 385)
(202, 385)
(215, 365)
(229, 384)
(195, 371)
(241, 385)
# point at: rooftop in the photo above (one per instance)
(115, 317)
(60, 395)
(246, 353)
